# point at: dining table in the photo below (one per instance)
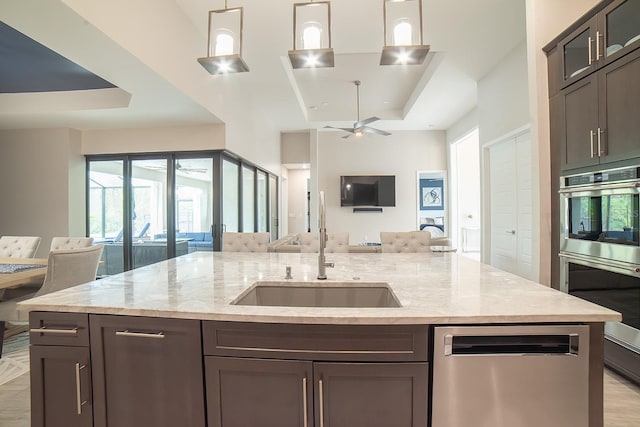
(15, 272)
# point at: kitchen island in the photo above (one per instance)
(164, 345)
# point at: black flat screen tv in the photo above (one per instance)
(368, 190)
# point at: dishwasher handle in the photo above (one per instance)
(513, 345)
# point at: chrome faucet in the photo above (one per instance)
(322, 262)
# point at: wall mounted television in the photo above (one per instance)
(369, 190)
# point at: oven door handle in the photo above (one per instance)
(633, 269)
(631, 186)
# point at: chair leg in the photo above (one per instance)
(1, 337)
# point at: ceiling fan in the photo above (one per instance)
(360, 126)
(179, 167)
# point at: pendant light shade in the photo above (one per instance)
(224, 47)
(311, 35)
(403, 33)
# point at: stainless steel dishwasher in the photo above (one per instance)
(511, 376)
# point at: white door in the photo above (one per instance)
(511, 205)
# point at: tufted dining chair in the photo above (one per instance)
(245, 242)
(405, 241)
(58, 243)
(18, 246)
(336, 242)
(65, 268)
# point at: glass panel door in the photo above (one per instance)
(230, 199)
(106, 197)
(623, 27)
(194, 205)
(148, 211)
(248, 199)
(263, 217)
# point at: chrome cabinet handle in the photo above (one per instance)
(321, 403)
(591, 139)
(126, 333)
(598, 35)
(631, 186)
(600, 152)
(510, 231)
(590, 56)
(45, 330)
(79, 401)
(631, 269)
(304, 401)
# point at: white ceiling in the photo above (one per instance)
(467, 38)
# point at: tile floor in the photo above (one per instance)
(621, 397)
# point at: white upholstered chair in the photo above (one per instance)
(58, 243)
(18, 246)
(65, 268)
(405, 241)
(245, 242)
(336, 242)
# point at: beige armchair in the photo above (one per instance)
(58, 243)
(65, 268)
(405, 241)
(245, 242)
(18, 246)
(336, 242)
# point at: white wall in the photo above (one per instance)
(295, 148)
(142, 140)
(402, 155)
(43, 185)
(546, 19)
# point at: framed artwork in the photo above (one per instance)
(431, 195)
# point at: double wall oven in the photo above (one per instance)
(600, 254)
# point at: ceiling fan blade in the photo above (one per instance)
(346, 136)
(344, 129)
(365, 122)
(374, 130)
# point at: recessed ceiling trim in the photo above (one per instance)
(60, 101)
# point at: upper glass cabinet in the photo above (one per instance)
(621, 26)
(611, 33)
(577, 55)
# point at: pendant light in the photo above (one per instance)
(311, 35)
(403, 33)
(224, 47)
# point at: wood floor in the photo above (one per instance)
(621, 398)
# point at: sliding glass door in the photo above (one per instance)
(149, 207)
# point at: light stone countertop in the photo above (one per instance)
(433, 288)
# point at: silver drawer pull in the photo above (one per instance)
(321, 399)
(45, 330)
(79, 401)
(126, 333)
(304, 402)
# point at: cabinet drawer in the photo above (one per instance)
(50, 328)
(316, 342)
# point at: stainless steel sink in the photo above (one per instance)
(318, 294)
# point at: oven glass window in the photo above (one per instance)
(616, 291)
(610, 219)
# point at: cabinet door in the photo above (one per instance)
(578, 51)
(580, 119)
(146, 372)
(618, 30)
(619, 128)
(258, 392)
(60, 386)
(371, 394)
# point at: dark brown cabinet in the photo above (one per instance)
(60, 370)
(296, 393)
(599, 39)
(146, 372)
(258, 392)
(599, 115)
(316, 375)
(371, 394)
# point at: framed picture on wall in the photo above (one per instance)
(431, 194)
